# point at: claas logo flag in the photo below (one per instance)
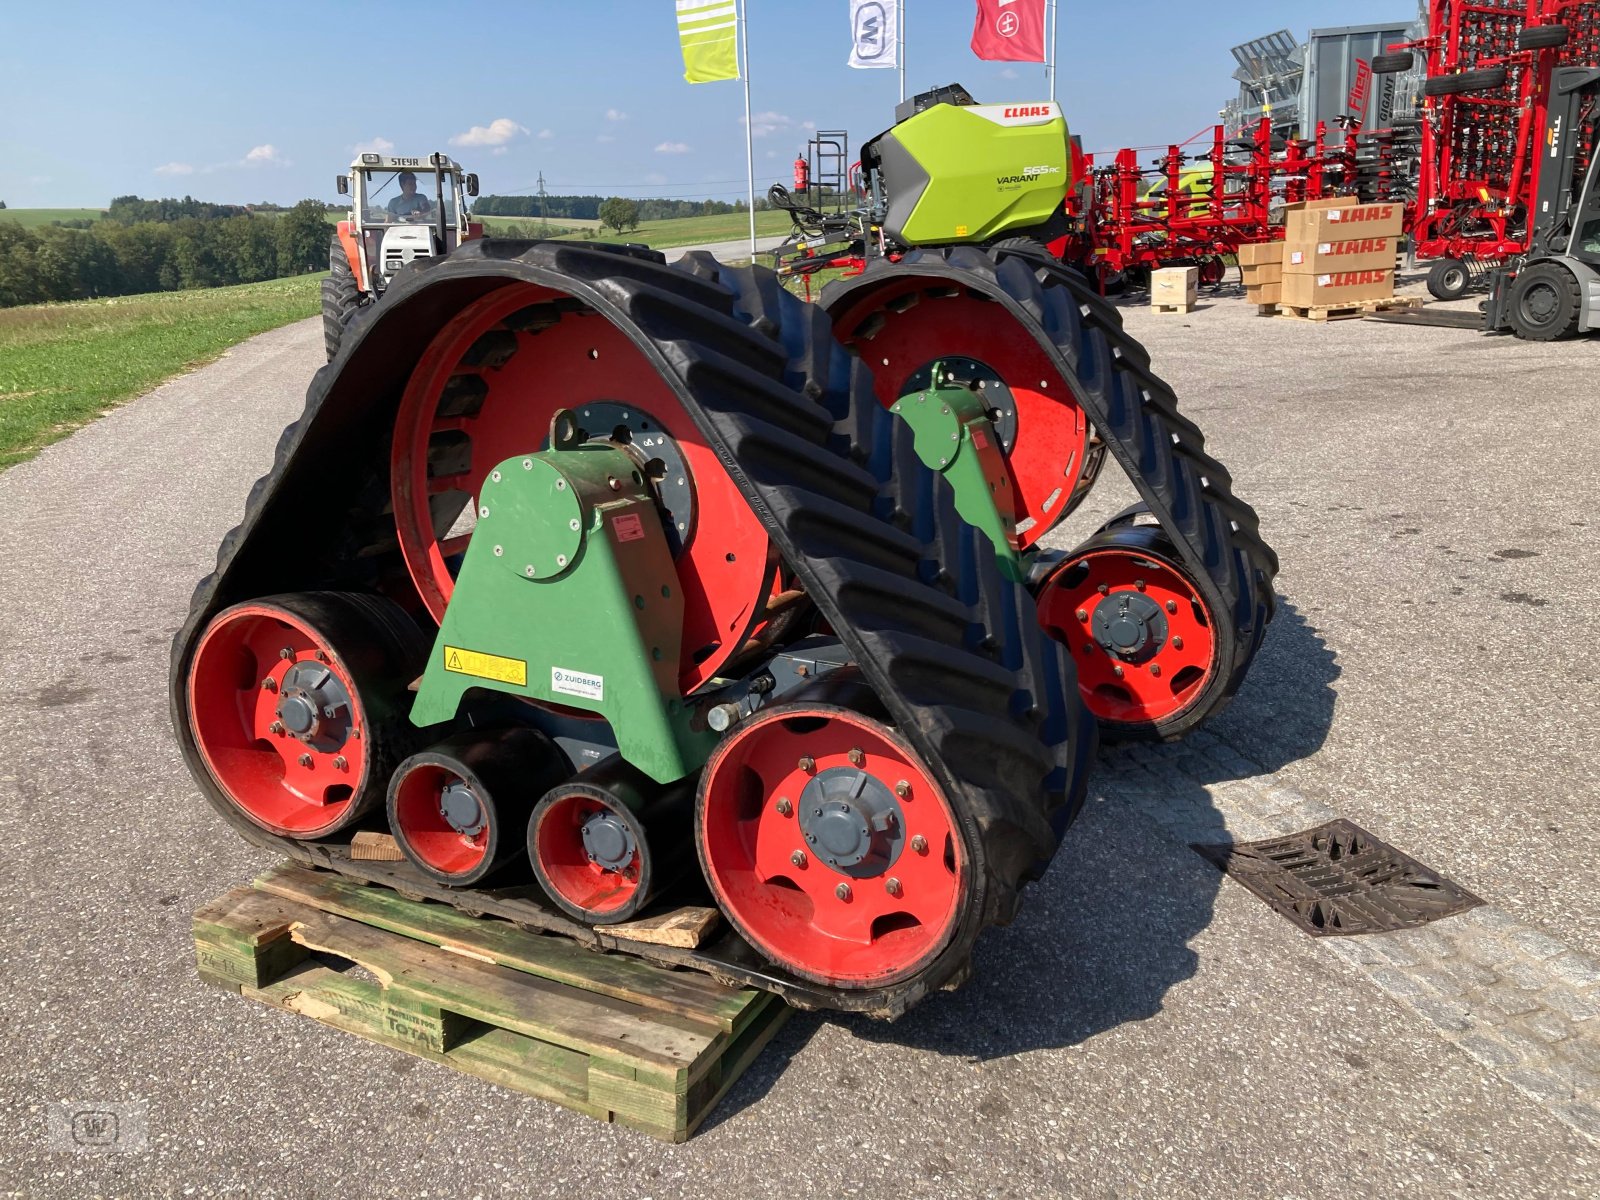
(707, 32)
(1009, 31)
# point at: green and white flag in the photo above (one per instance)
(707, 32)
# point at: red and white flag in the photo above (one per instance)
(1009, 31)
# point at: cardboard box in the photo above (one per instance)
(1339, 220)
(1262, 273)
(1259, 253)
(1266, 293)
(1357, 254)
(1334, 288)
(1174, 286)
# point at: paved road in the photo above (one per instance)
(1142, 1030)
(736, 249)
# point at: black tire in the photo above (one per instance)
(1542, 37)
(1544, 303)
(1392, 64)
(341, 296)
(1466, 81)
(1023, 245)
(1448, 279)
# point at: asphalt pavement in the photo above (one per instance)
(1145, 1028)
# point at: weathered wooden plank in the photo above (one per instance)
(686, 994)
(686, 927)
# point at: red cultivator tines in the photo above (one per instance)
(1489, 67)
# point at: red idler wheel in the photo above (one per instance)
(829, 845)
(459, 810)
(903, 327)
(296, 705)
(1142, 638)
(606, 842)
(487, 388)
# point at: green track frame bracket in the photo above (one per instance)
(568, 595)
(953, 435)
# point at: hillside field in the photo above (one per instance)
(28, 218)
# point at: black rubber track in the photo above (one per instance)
(1189, 492)
(951, 647)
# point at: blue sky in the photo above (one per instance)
(240, 103)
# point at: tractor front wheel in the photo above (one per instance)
(341, 296)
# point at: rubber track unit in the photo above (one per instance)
(952, 649)
(1189, 492)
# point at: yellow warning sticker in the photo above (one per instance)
(486, 666)
(961, 231)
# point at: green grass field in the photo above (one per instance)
(63, 365)
(691, 231)
(28, 218)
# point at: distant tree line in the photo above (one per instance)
(189, 245)
(587, 208)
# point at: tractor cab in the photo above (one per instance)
(402, 209)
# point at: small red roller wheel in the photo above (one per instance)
(590, 854)
(295, 703)
(830, 846)
(1143, 640)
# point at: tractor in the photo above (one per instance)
(401, 209)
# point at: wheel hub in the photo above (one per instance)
(852, 821)
(459, 807)
(980, 378)
(608, 841)
(659, 457)
(314, 706)
(1131, 625)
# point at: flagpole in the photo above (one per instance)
(1050, 63)
(749, 137)
(900, 34)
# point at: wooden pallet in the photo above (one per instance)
(1345, 312)
(1172, 308)
(614, 1037)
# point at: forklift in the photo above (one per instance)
(1553, 291)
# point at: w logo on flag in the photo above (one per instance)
(873, 33)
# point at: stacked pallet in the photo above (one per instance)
(1337, 259)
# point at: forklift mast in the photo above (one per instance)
(1559, 197)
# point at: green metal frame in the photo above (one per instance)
(568, 595)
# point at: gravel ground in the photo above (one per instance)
(1144, 1029)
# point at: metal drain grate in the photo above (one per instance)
(1337, 879)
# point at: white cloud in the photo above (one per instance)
(604, 138)
(266, 155)
(496, 133)
(655, 177)
(498, 151)
(673, 148)
(613, 114)
(772, 154)
(1009, 73)
(808, 125)
(764, 123)
(378, 145)
(174, 168)
(546, 134)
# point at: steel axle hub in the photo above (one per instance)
(607, 841)
(461, 810)
(852, 821)
(1131, 625)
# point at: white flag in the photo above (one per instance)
(874, 32)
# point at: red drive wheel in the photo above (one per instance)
(1144, 641)
(296, 702)
(829, 846)
(904, 327)
(487, 388)
(459, 810)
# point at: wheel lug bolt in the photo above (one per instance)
(341, 763)
(286, 653)
(919, 844)
(322, 656)
(1155, 669)
(1177, 643)
(902, 789)
(784, 807)
(856, 757)
(269, 685)
(1103, 588)
(1117, 671)
(892, 886)
(816, 812)
(1083, 614)
(305, 760)
(276, 727)
(798, 858)
(842, 891)
(1172, 606)
(808, 764)
(1139, 583)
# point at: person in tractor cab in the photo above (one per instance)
(409, 202)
